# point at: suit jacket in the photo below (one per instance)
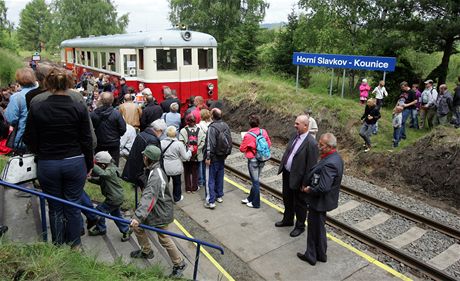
(304, 159)
(325, 179)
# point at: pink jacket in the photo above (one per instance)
(364, 90)
(248, 145)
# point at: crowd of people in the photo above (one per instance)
(425, 109)
(79, 137)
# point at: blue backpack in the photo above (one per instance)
(263, 151)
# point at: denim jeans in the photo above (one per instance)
(365, 132)
(414, 119)
(63, 179)
(201, 173)
(405, 115)
(86, 201)
(215, 186)
(255, 168)
(457, 115)
(396, 135)
(114, 211)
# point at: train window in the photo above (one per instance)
(69, 56)
(205, 60)
(187, 56)
(88, 55)
(103, 60)
(141, 59)
(167, 59)
(96, 61)
(112, 61)
(82, 57)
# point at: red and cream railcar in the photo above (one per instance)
(185, 61)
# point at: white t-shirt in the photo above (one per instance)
(380, 92)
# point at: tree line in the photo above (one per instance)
(360, 27)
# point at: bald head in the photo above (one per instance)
(301, 124)
(106, 98)
(216, 114)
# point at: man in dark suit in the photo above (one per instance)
(323, 196)
(300, 155)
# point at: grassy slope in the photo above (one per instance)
(280, 95)
(42, 261)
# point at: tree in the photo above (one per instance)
(245, 51)
(83, 18)
(34, 25)
(220, 18)
(6, 29)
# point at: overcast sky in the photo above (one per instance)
(148, 15)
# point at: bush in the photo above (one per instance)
(9, 63)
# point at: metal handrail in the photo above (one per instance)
(44, 196)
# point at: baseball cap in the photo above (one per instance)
(429, 81)
(152, 152)
(103, 157)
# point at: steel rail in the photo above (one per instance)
(435, 225)
(386, 248)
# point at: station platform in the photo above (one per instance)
(269, 251)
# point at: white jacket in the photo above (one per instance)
(174, 156)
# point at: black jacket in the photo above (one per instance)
(325, 179)
(305, 157)
(135, 165)
(372, 111)
(456, 101)
(167, 103)
(108, 125)
(151, 112)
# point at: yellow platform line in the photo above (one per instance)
(205, 252)
(333, 238)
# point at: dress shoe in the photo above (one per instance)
(283, 223)
(296, 232)
(305, 258)
(324, 259)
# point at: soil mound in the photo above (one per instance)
(431, 166)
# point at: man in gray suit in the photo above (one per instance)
(300, 155)
(323, 195)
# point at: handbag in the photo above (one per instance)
(19, 169)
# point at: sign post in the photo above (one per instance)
(343, 82)
(297, 81)
(343, 61)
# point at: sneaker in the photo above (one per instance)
(126, 236)
(178, 270)
(367, 149)
(96, 231)
(245, 201)
(141, 255)
(181, 198)
(249, 204)
(198, 188)
(209, 205)
(220, 199)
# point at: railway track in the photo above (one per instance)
(397, 247)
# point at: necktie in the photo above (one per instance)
(297, 138)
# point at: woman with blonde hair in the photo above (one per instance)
(370, 117)
(174, 153)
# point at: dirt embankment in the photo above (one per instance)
(431, 167)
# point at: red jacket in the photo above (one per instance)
(248, 145)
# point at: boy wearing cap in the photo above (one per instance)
(156, 209)
(105, 174)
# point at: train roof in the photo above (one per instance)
(165, 38)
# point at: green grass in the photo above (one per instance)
(43, 261)
(279, 95)
(45, 55)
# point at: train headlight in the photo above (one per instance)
(210, 89)
(186, 35)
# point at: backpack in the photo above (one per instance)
(224, 143)
(263, 151)
(192, 141)
(425, 97)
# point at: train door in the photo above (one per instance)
(188, 73)
(69, 56)
(129, 65)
